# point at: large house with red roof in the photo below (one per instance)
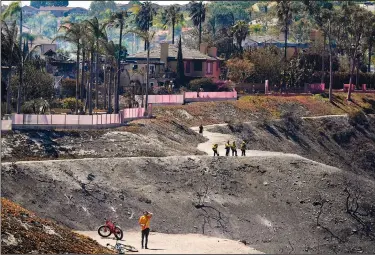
(163, 64)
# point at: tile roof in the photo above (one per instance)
(59, 8)
(172, 53)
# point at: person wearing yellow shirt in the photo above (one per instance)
(234, 149)
(227, 148)
(243, 148)
(214, 148)
(144, 222)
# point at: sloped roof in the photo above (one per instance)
(30, 8)
(59, 8)
(172, 53)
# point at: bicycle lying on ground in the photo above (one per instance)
(110, 228)
(121, 248)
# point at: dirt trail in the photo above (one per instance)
(221, 139)
(177, 244)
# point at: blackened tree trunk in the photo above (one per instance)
(349, 98)
(7, 110)
(77, 80)
(147, 76)
(97, 75)
(105, 83)
(110, 91)
(82, 92)
(91, 81)
(369, 56)
(173, 31)
(117, 107)
(323, 58)
(21, 68)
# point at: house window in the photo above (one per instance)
(135, 67)
(187, 66)
(152, 69)
(218, 65)
(209, 67)
(198, 66)
(151, 84)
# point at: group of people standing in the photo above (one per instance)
(230, 147)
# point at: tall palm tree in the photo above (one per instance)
(240, 30)
(172, 16)
(118, 19)
(73, 34)
(144, 17)
(324, 15)
(198, 15)
(370, 40)
(147, 36)
(284, 14)
(110, 52)
(98, 33)
(13, 9)
(30, 38)
(9, 53)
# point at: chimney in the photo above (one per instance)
(212, 52)
(203, 48)
(164, 52)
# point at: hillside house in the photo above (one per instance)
(163, 64)
(60, 11)
(29, 11)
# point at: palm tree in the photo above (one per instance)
(13, 9)
(118, 19)
(147, 36)
(172, 16)
(73, 34)
(284, 14)
(110, 52)
(30, 38)
(9, 52)
(98, 33)
(144, 17)
(370, 40)
(323, 15)
(198, 15)
(240, 30)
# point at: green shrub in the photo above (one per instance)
(37, 106)
(70, 103)
(205, 83)
(68, 87)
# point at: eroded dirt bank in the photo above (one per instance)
(266, 201)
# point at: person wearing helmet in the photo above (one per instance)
(234, 149)
(227, 148)
(214, 148)
(243, 148)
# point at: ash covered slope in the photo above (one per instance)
(277, 204)
(23, 232)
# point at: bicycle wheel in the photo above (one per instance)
(104, 231)
(118, 233)
(130, 248)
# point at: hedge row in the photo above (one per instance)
(341, 78)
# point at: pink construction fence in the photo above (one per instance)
(40, 121)
(210, 96)
(188, 97)
(6, 125)
(163, 99)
